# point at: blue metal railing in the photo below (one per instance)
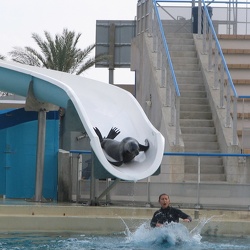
(166, 49)
(220, 50)
(202, 154)
(195, 154)
(223, 69)
(148, 20)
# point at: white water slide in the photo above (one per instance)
(98, 105)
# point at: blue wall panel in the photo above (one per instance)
(21, 140)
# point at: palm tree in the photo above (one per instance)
(59, 53)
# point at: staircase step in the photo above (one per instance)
(196, 123)
(237, 58)
(240, 73)
(237, 66)
(191, 87)
(190, 80)
(202, 150)
(186, 67)
(183, 53)
(204, 169)
(205, 160)
(199, 137)
(188, 100)
(177, 41)
(240, 81)
(200, 146)
(198, 130)
(233, 37)
(235, 51)
(194, 94)
(205, 177)
(184, 73)
(197, 126)
(182, 47)
(178, 59)
(196, 115)
(194, 108)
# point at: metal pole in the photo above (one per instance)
(198, 183)
(148, 192)
(92, 182)
(111, 52)
(40, 154)
(199, 17)
(210, 49)
(177, 122)
(216, 60)
(222, 81)
(79, 176)
(235, 121)
(108, 198)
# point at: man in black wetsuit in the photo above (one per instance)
(167, 213)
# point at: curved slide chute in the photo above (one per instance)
(98, 105)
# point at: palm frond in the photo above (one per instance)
(59, 53)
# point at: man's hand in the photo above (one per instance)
(158, 224)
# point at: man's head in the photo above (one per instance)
(164, 200)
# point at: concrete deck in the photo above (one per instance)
(22, 216)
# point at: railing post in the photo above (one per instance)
(155, 36)
(177, 122)
(204, 33)
(199, 18)
(92, 182)
(235, 121)
(163, 74)
(210, 49)
(138, 25)
(222, 82)
(158, 63)
(79, 176)
(168, 89)
(198, 183)
(172, 118)
(228, 106)
(148, 193)
(143, 16)
(216, 60)
(150, 17)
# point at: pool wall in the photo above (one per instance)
(108, 219)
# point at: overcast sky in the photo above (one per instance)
(20, 18)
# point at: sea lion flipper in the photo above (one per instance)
(98, 133)
(113, 133)
(144, 147)
(116, 163)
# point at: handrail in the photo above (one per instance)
(190, 1)
(177, 153)
(244, 96)
(219, 50)
(224, 70)
(204, 154)
(148, 20)
(175, 100)
(166, 48)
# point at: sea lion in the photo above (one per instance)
(121, 151)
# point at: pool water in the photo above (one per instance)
(172, 236)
